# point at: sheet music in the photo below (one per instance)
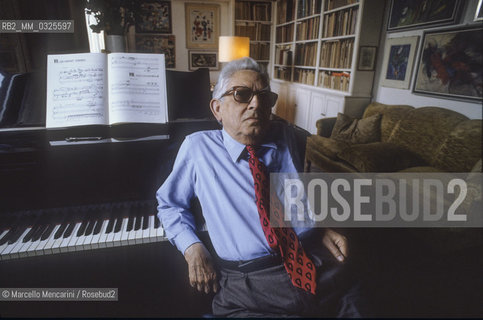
(137, 88)
(76, 87)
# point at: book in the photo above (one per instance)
(105, 89)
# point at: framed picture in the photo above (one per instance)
(479, 12)
(202, 25)
(398, 62)
(450, 64)
(367, 58)
(200, 59)
(155, 17)
(150, 43)
(407, 14)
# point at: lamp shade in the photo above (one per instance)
(232, 48)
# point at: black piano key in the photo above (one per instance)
(110, 225)
(82, 229)
(145, 220)
(16, 234)
(90, 226)
(157, 223)
(38, 232)
(117, 227)
(97, 228)
(7, 236)
(130, 222)
(139, 218)
(61, 230)
(69, 229)
(47, 232)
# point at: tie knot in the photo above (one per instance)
(251, 151)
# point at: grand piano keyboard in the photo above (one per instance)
(51, 231)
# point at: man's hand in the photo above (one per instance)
(336, 243)
(202, 273)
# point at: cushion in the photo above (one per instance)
(354, 130)
(380, 157)
(326, 146)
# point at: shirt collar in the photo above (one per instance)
(236, 149)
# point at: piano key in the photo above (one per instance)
(20, 244)
(65, 245)
(152, 229)
(38, 233)
(159, 232)
(121, 236)
(146, 231)
(99, 223)
(139, 232)
(5, 254)
(4, 244)
(68, 230)
(98, 241)
(39, 250)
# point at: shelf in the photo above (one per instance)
(341, 8)
(338, 37)
(254, 21)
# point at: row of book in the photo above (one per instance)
(337, 54)
(306, 54)
(340, 23)
(284, 33)
(255, 31)
(307, 8)
(248, 10)
(308, 29)
(285, 11)
(282, 73)
(260, 51)
(334, 80)
(283, 55)
(304, 76)
(334, 4)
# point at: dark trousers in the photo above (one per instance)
(270, 293)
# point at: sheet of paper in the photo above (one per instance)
(76, 88)
(137, 88)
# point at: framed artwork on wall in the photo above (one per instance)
(202, 59)
(155, 17)
(450, 64)
(151, 43)
(408, 14)
(202, 25)
(367, 58)
(479, 11)
(398, 62)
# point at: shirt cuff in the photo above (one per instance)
(185, 239)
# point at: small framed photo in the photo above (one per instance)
(398, 62)
(202, 25)
(412, 14)
(367, 58)
(479, 12)
(200, 59)
(450, 64)
(155, 17)
(151, 43)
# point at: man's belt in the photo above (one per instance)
(257, 264)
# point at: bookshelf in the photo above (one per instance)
(315, 52)
(253, 19)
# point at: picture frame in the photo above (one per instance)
(155, 17)
(158, 43)
(450, 64)
(203, 59)
(479, 12)
(202, 25)
(367, 58)
(397, 65)
(412, 14)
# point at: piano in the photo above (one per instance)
(81, 213)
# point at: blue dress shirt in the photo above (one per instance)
(212, 166)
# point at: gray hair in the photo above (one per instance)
(233, 66)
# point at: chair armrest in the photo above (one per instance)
(325, 126)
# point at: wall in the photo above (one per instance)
(399, 96)
(179, 30)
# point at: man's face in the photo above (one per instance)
(244, 122)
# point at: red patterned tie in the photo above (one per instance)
(299, 267)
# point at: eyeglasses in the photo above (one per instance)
(245, 95)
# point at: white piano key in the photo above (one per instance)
(74, 238)
(3, 246)
(139, 233)
(64, 245)
(20, 245)
(152, 230)
(125, 233)
(86, 245)
(131, 238)
(96, 239)
(160, 233)
(7, 252)
(39, 250)
(118, 236)
(147, 230)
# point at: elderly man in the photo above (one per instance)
(264, 271)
